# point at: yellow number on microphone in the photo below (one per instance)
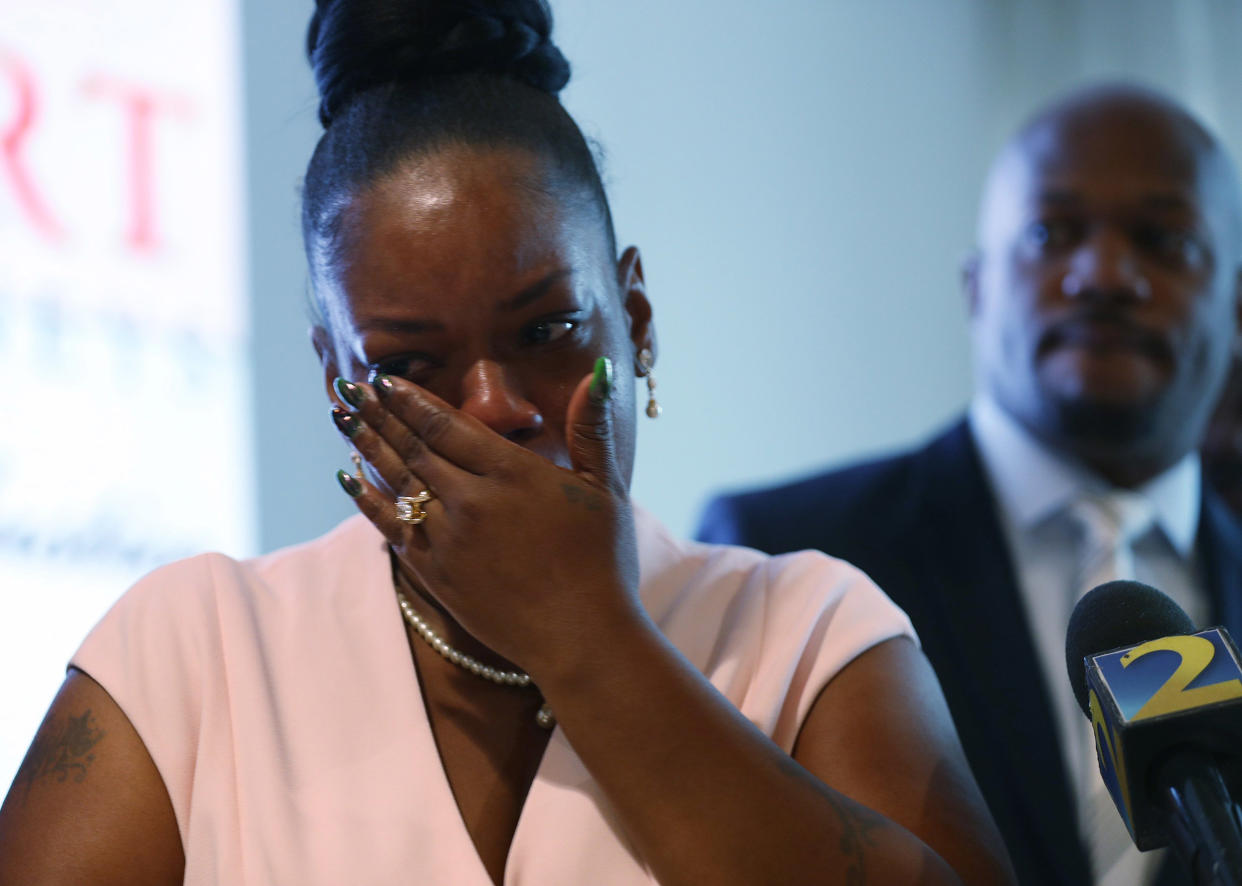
(1196, 653)
(1112, 764)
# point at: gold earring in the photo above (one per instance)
(646, 360)
(357, 460)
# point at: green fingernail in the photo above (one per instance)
(350, 392)
(349, 483)
(601, 383)
(349, 425)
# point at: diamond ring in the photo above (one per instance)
(410, 507)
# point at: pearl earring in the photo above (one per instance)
(646, 360)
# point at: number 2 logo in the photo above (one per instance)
(1196, 653)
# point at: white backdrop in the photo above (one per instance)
(124, 440)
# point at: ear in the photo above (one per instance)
(326, 352)
(970, 281)
(634, 298)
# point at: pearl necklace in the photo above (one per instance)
(544, 717)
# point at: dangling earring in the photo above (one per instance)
(357, 460)
(646, 360)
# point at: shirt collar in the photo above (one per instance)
(1032, 482)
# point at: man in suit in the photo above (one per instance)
(1103, 301)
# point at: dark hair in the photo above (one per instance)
(399, 78)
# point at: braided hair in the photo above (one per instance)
(401, 78)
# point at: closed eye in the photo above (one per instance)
(408, 366)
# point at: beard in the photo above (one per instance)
(1098, 425)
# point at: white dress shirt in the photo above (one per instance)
(1035, 489)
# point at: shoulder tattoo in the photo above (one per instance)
(63, 751)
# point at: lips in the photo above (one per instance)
(1101, 334)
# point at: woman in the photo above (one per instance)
(590, 700)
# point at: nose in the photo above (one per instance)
(490, 394)
(1105, 266)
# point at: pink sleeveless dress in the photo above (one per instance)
(278, 700)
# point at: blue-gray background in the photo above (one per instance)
(801, 176)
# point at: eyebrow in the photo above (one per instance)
(535, 291)
(415, 326)
(1059, 198)
(400, 326)
(1170, 201)
(1158, 200)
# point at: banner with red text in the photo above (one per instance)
(124, 435)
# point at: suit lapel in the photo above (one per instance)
(1006, 714)
(1220, 546)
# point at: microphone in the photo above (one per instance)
(1165, 705)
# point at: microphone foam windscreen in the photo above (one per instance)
(1116, 614)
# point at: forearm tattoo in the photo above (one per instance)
(857, 826)
(62, 751)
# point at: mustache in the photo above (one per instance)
(1105, 326)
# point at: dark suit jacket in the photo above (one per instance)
(924, 525)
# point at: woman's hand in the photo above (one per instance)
(539, 563)
(529, 557)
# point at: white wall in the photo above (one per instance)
(801, 176)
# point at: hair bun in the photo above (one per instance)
(355, 45)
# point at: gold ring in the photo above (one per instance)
(410, 507)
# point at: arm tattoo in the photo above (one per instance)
(579, 496)
(61, 751)
(856, 836)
